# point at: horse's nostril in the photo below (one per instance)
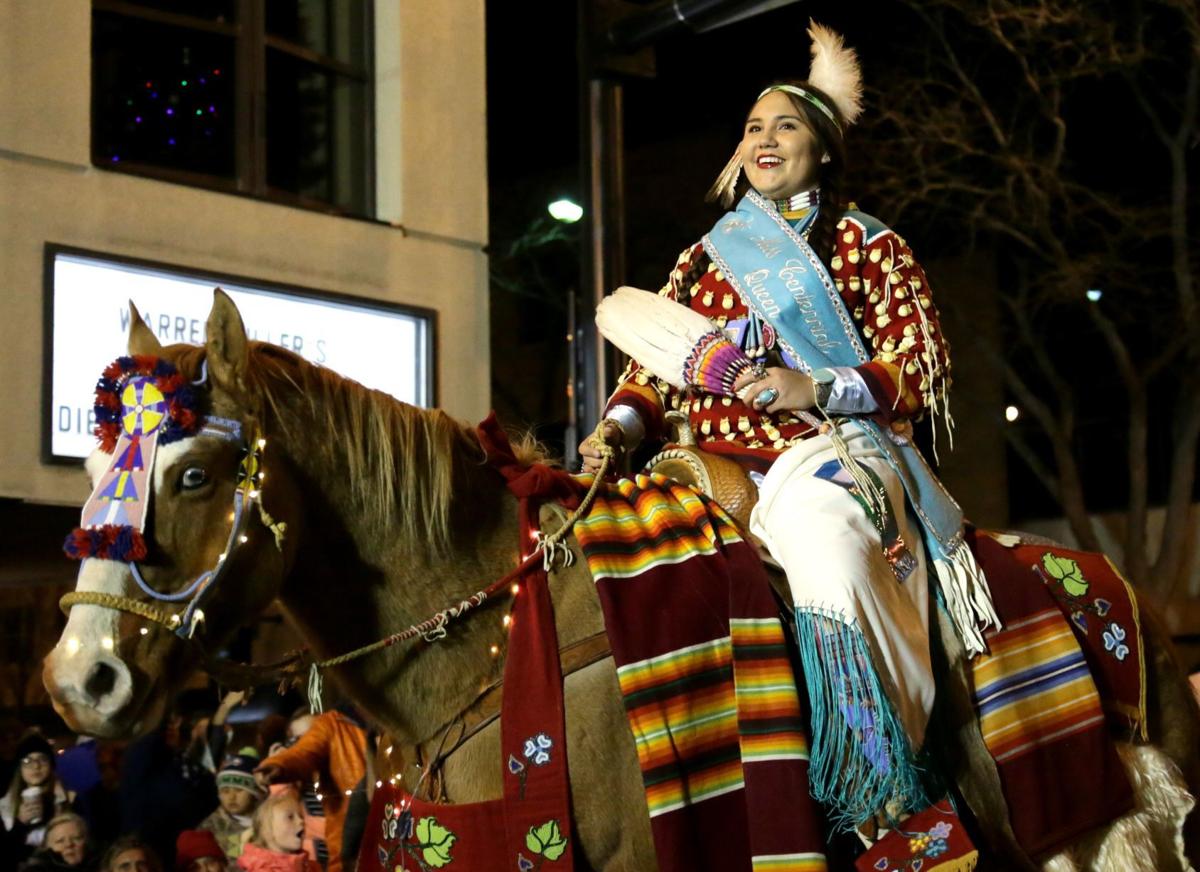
(100, 681)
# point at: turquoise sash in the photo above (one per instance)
(780, 278)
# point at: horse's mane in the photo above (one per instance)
(402, 460)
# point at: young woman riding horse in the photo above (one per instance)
(836, 316)
(277, 480)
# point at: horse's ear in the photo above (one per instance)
(228, 348)
(141, 338)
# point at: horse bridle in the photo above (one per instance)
(246, 496)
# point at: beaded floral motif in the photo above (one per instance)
(545, 842)
(922, 846)
(1066, 582)
(1114, 640)
(423, 840)
(537, 749)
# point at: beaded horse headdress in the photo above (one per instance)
(141, 402)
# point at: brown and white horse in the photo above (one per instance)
(391, 514)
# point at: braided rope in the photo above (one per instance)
(120, 604)
(607, 455)
(434, 628)
(431, 630)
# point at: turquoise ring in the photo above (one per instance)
(765, 397)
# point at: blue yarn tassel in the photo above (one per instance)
(860, 760)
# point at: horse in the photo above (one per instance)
(379, 515)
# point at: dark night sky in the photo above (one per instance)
(680, 126)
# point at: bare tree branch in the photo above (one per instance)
(985, 134)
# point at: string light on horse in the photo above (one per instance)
(377, 523)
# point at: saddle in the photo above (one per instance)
(717, 477)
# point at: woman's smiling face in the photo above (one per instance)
(780, 153)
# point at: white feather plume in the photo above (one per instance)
(835, 71)
(657, 332)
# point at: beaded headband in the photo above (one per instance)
(806, 95)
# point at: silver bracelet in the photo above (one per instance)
(633, 430)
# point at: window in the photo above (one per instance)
(270, 98)
(87, 324)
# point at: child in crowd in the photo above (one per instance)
(277, 840)
(239, 794)
(198, 851)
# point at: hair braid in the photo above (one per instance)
(822, 237)
(698, 267)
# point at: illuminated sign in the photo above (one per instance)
(380, 345)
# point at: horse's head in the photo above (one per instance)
(202, 559)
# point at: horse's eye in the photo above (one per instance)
(193, 477)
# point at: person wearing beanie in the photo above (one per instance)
(239, 795)
(34, 796)
(198, 851)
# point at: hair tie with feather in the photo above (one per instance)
(835, 71)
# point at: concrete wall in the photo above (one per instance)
(431, 179)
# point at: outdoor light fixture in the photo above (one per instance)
(566, 211)
(1094, 294)
(1011, 413)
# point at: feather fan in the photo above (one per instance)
(678, 345)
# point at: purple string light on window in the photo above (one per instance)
(170, 111)
(171, 141)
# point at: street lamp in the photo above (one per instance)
(566, 211)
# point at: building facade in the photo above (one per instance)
(410, 231)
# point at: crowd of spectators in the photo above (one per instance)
(198, 794)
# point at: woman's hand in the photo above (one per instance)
(29, 811)
(783, 390)
(590, 451)
(267, 774)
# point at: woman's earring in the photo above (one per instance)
(725, 185)
(825, 158)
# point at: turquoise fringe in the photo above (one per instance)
(860, 757)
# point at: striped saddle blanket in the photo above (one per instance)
(1064, 675)
(711, 695)
(707, 681)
